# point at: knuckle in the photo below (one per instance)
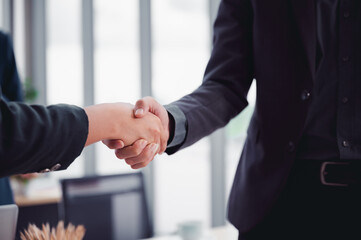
(107, 143)
(129, 161)
(137, 150)
(111, 146)
(140, 102)
(156, 131)
(143, 164)
(119, 154)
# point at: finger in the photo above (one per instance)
(144, 158)
(113, 144)
(131, 151)
(141, 107)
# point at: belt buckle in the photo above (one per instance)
(324, 172)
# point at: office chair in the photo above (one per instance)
(110, 207)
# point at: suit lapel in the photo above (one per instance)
(305, 14)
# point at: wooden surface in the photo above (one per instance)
(22, 201)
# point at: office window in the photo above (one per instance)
(180, 53)
(2, 13)
(117, 64)
(64, 61)
(19, 36)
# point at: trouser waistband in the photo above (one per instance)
(333, 173)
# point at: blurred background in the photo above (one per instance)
(84, 52)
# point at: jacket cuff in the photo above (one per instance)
(178, 125)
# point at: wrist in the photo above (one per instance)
(101, 123)
(121, 123)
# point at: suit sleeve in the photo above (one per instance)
(33, 137)
(228, 76)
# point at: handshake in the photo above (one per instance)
(136, 133)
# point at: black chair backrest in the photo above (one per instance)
(110, 207)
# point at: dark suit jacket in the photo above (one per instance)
(11, 89)
(33, 138)
(274, 43)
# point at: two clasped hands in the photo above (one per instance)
(137, 132)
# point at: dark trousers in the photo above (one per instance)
(306, 209)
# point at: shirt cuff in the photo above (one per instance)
(178, 126)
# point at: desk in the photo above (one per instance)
(227, 232)
(22, 201)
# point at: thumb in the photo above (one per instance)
(141, 108)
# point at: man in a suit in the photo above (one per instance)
(299, 174)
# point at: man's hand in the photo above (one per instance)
(140, 154)
(149, 104)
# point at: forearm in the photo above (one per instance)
(207, 109)
(36, 137)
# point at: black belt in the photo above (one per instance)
(336, 173)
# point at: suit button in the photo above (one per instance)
(291, 147)
(345, 144)
(305, 95)
(344, 100)
(345, 58)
